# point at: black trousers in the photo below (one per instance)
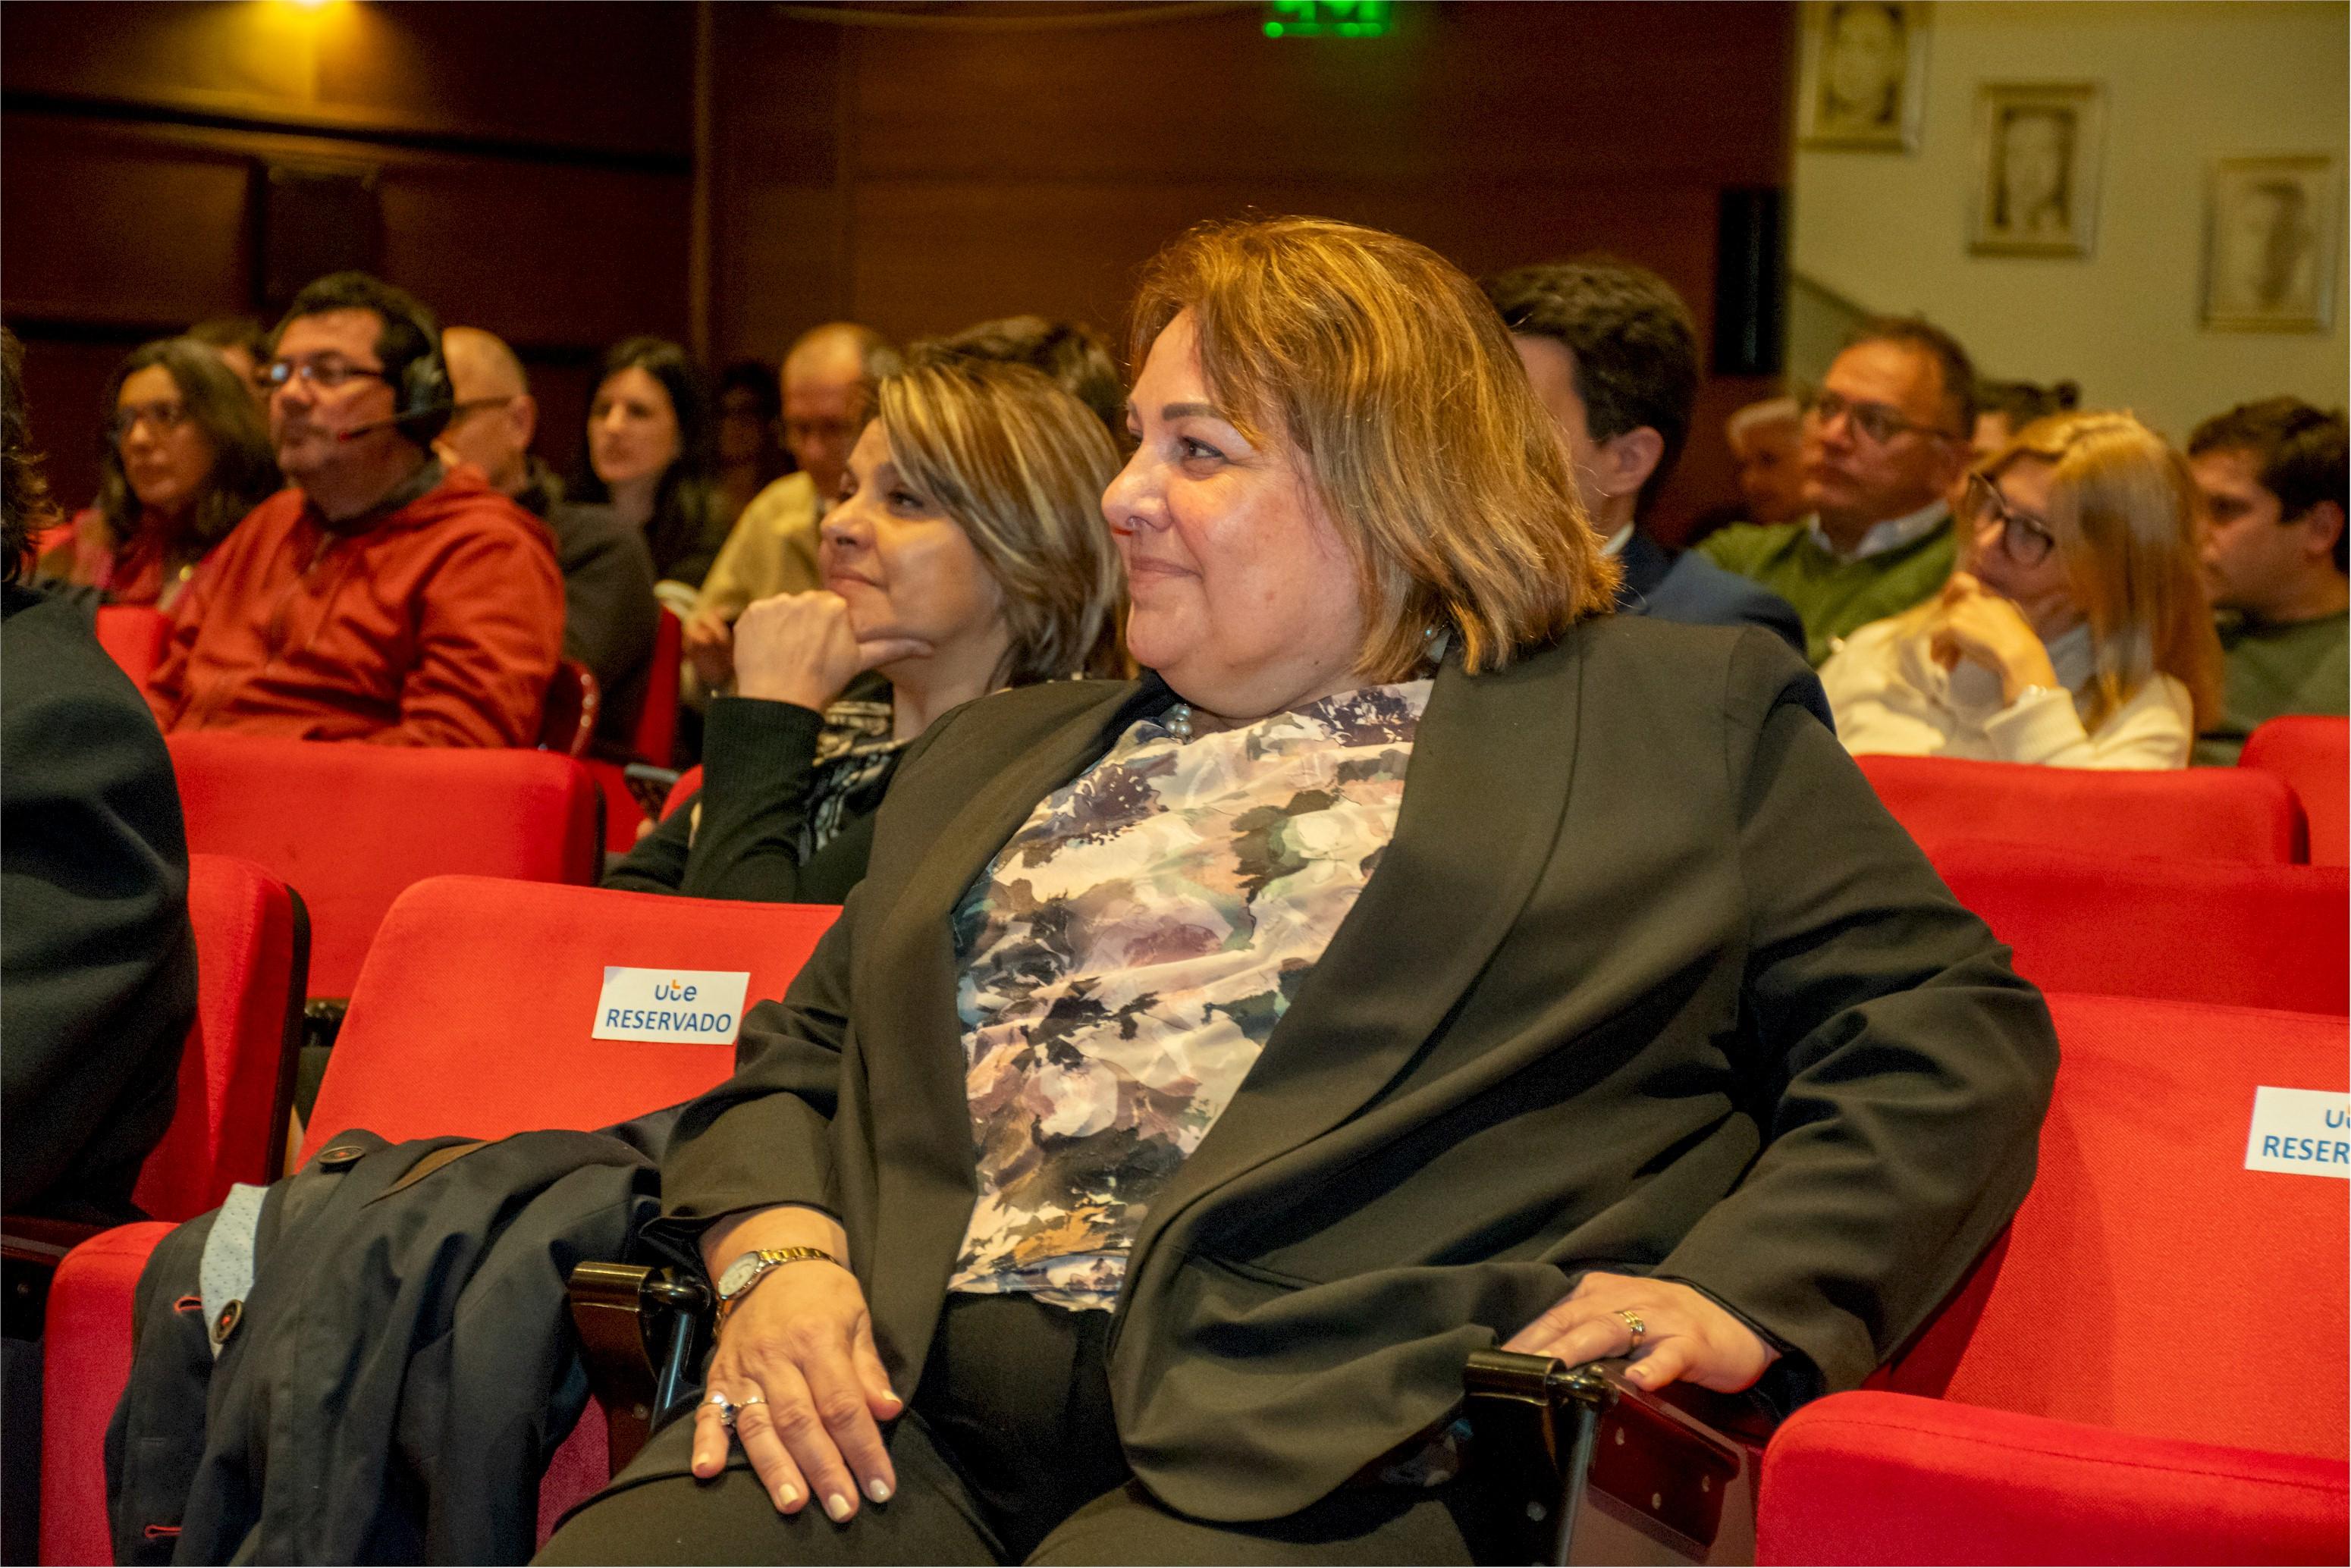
(1007, 1453)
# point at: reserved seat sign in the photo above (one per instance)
(2299, 1132)
(694, 1007)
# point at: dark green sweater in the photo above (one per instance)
(2295, 666)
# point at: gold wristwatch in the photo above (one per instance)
(735, 1282)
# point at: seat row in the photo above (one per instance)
(2148, 1366)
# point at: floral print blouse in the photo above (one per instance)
(1128, 953)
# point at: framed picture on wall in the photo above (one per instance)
(1864, 78)
(2038, 150)
(2270, 226)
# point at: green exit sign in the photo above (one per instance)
(1329, 19)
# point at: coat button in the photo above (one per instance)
(338, 1157)
(231, 1315)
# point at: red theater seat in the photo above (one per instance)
(2192, 813)
(2313, 755)
(688, 782)
(351, 826)
(654, 740)
(528, 958)
(134, 636)
(2188, 931)
(2150, 1367)
(236, 1078)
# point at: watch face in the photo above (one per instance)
(739, 1273)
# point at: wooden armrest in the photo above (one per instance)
(638, 1329)
(1609, 1473)
(30, 1250)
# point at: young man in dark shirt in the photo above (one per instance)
(2272, 477)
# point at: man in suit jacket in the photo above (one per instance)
(1614, 356)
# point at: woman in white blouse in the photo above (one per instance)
(2075, 632)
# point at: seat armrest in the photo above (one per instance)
(639, 1328)
(30, 1250)
(1608, 1472)
(1871, 1477)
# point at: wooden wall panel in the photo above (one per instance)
(976, 161)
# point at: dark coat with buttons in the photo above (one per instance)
(399, 1372)
(1648, 980)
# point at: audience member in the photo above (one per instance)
(384, 598)
(2272, 474)
(243, 345)
(828, 383)
(609, 609)
(1885, 442)
(966, 553)
(1153, 999)
(98, 974)
(1073, 356)
(750, 420)
(1613, 354)
(97, 970)
(652, 457)
(186, 456)
(2003, 408)
(1767, 441)
(2076, 632)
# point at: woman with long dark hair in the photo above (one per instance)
(651, 456)
(185, 456)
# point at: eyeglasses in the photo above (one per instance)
(2025, 538)
(326, 374)
(162, 417)
(1881, 423)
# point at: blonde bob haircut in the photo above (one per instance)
(1019, 466)
(2123, 508)
(1388, 372)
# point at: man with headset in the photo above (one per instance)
(382, 598)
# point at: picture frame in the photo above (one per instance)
(2271, 226)
(2039, 151)
(1863, 77)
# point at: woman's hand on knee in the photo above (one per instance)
(1672, 1331)
(798, 1362)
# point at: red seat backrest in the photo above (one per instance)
(236, 1076)
(2312, 753)
(134, 636)
(2151, 1283)
(2188, 931)
(682, 790)
(655, 736)
(475, 1012)
(351, 826)
(2191, 813)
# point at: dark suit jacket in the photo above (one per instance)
(1689, 588)
(1646, 980)
(98, 968)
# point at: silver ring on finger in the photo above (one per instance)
(748, 1400)
(1633, 1320)
(727, 1409)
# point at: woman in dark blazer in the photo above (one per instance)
(1482, 968)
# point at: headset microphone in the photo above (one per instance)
(412, 416)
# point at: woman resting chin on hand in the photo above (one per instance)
(2075, 632)
(927, 603)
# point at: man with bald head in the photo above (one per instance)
(609, 609)
(827, 381)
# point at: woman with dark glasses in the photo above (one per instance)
(2074, 631)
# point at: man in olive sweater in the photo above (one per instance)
(2272, 475)
(1885, 442)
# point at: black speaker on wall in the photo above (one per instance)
(312, 221)
(1750, 281)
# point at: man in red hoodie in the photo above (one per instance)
(382, 598)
